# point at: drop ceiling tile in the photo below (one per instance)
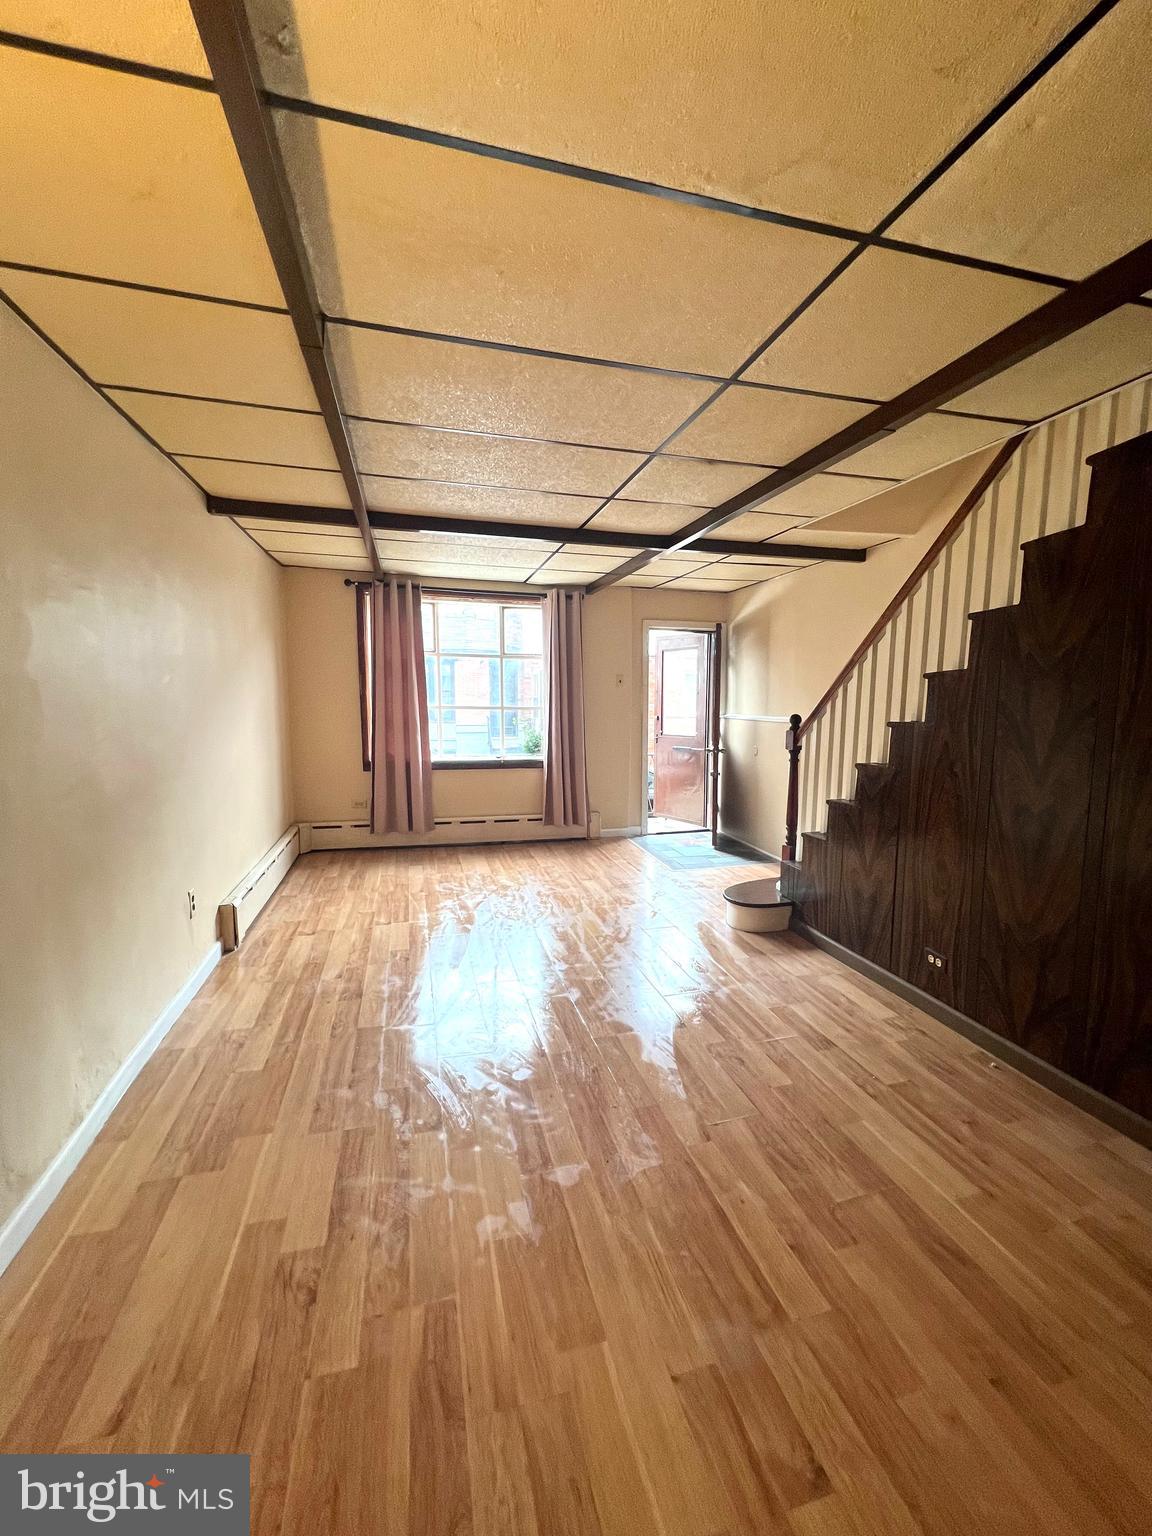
(641, 579)
(425, 237)
(706, 584)
(755, 526)
(889, 321)
(821, 494)
(157, 32)
(666, 566)
(208, 428)
(550, 578)
(821, 538)
(1111, 351)
(829, 111)
(440, 546)
(120, 336)
(263, 527)
(617, 552)
(743, 571)
(482, 501)
(460, 570)
(339, 546)
(439, 384)
(924, 444)
(436, 455)
(406, 553)
(267, 482)
(643, 517)
(577, 558)
(326, 562)
(692, 482)
(1060, 183)
(127, 178)
(760, 425)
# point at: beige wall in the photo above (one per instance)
(329, 782)
(141, 747)
(788, 639)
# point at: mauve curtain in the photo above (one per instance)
(565, 772)
(401, 751)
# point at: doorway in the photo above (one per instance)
(681, 727)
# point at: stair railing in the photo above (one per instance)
(1036, 483)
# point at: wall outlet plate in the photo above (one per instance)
(936, 960)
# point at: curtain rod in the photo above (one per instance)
(517, 597)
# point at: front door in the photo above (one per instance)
(680, 660)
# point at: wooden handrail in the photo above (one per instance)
(966, 507)
(794, 747)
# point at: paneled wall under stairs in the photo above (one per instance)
(1010, 830)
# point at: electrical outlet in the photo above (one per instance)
(191, 905)
(936, 960)
(359, 805)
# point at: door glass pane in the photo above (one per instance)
(524, 631)
(473, 627)
(470, 733)
(681, 677)
(470, 680)
(523, 683)
(523, 732)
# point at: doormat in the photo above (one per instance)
(692, 850)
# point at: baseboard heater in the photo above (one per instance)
(446, 831)
(239, 910)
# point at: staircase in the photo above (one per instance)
(1000, 859)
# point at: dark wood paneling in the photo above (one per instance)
(1014, 828)
(946, 778)
(1117, 1052)
(871, 833)
(819, 882)
(1043, 746)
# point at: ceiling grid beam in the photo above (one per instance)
(1106, 290)
(411, 523)
(231, 52)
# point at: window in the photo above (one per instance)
(485, 668)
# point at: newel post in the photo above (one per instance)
(794, 747)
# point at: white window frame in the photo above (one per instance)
(435, 708)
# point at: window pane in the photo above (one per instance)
(430, 674)
(428, 625)
(469, 733)
(473, 627)
(470, 680)
(523, 732)
(524, 630)
(523, 684)
(434, 731)
(681, 678)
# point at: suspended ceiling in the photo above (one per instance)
(588, 268)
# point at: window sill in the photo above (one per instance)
(486, 762)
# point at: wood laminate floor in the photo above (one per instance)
(506, 1191)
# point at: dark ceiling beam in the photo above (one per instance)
(231, 53)
(651, 545)
(1109, 288)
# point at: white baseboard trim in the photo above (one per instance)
(621, 831)
(461, 832)
(20, 1225)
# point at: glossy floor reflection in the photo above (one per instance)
(507, 1191)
